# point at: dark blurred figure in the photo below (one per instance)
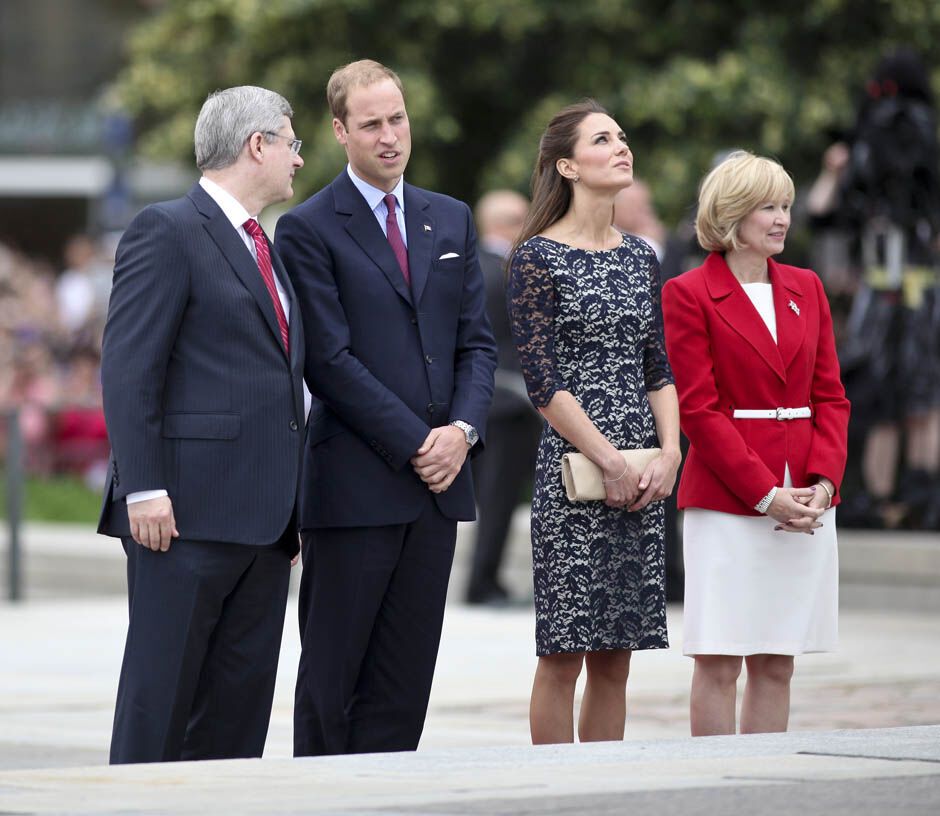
(503, 474)
(878, 201)
(635, 214)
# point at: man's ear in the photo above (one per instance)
(256, 145)
(339, 131)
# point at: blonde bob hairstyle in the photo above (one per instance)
(731, 192)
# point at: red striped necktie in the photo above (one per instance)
(253, 228)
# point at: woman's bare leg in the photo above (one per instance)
(604, 705)
(551, 709)
(714, 689)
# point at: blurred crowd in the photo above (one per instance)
(51, 322)
(873, 220)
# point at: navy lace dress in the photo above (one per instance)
(590, 322)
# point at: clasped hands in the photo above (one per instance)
(797, 509)
(628, 487)
(440, 457)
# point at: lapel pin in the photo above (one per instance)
(796, 309)
(427, 227)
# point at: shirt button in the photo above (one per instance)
(293, 425)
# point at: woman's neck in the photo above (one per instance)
(747, 266)
(587, 223)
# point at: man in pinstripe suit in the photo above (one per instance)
(202, 373)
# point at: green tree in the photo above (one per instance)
(685, 78)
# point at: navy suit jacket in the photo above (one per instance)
(200, 397)
(385, 362)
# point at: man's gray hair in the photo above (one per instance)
(229, 117)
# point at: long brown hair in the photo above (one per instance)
(551, 192)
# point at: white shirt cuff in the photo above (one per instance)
(144, 495)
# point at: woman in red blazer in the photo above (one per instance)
(751, 346)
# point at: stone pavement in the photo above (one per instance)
(60, 657)
(59, 663)
(850, 773)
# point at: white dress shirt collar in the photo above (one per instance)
(230, 206)
(373, 195)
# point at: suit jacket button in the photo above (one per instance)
(428, 359)
(414, 321)
(293, 425)
(430, 407)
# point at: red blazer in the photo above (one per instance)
(723, 357)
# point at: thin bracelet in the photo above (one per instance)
(625, 469)
(823, 486)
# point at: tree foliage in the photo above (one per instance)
(685, 78)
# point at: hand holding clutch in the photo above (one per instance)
(584, 481)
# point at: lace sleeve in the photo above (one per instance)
(530, 299)
(656, 370)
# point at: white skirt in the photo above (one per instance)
(752, 590)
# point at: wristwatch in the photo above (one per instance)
(469, 432)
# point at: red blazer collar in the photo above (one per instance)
(733, 304)
(721, 281)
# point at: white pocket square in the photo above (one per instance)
(447, 255)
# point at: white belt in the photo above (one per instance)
(779, 414)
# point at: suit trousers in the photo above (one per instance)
(203, 641)
(371, 608)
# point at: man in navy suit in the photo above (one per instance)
(202, 370)
(400, 359)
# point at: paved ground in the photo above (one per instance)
(59, 662)
(60, 657)
(850, 773)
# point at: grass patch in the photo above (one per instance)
(58, 498)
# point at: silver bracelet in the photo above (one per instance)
(764, 504)
(823, 486)
(608, 481)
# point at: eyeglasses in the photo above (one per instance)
(293, 144)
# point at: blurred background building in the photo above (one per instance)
(69, 182)
(66, 159)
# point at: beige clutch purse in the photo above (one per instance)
(584, 481)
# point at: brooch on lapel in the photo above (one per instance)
(796, 309)
(427, 227)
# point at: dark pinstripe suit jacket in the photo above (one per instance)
(199, 395)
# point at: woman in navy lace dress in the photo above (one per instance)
(584, 303)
